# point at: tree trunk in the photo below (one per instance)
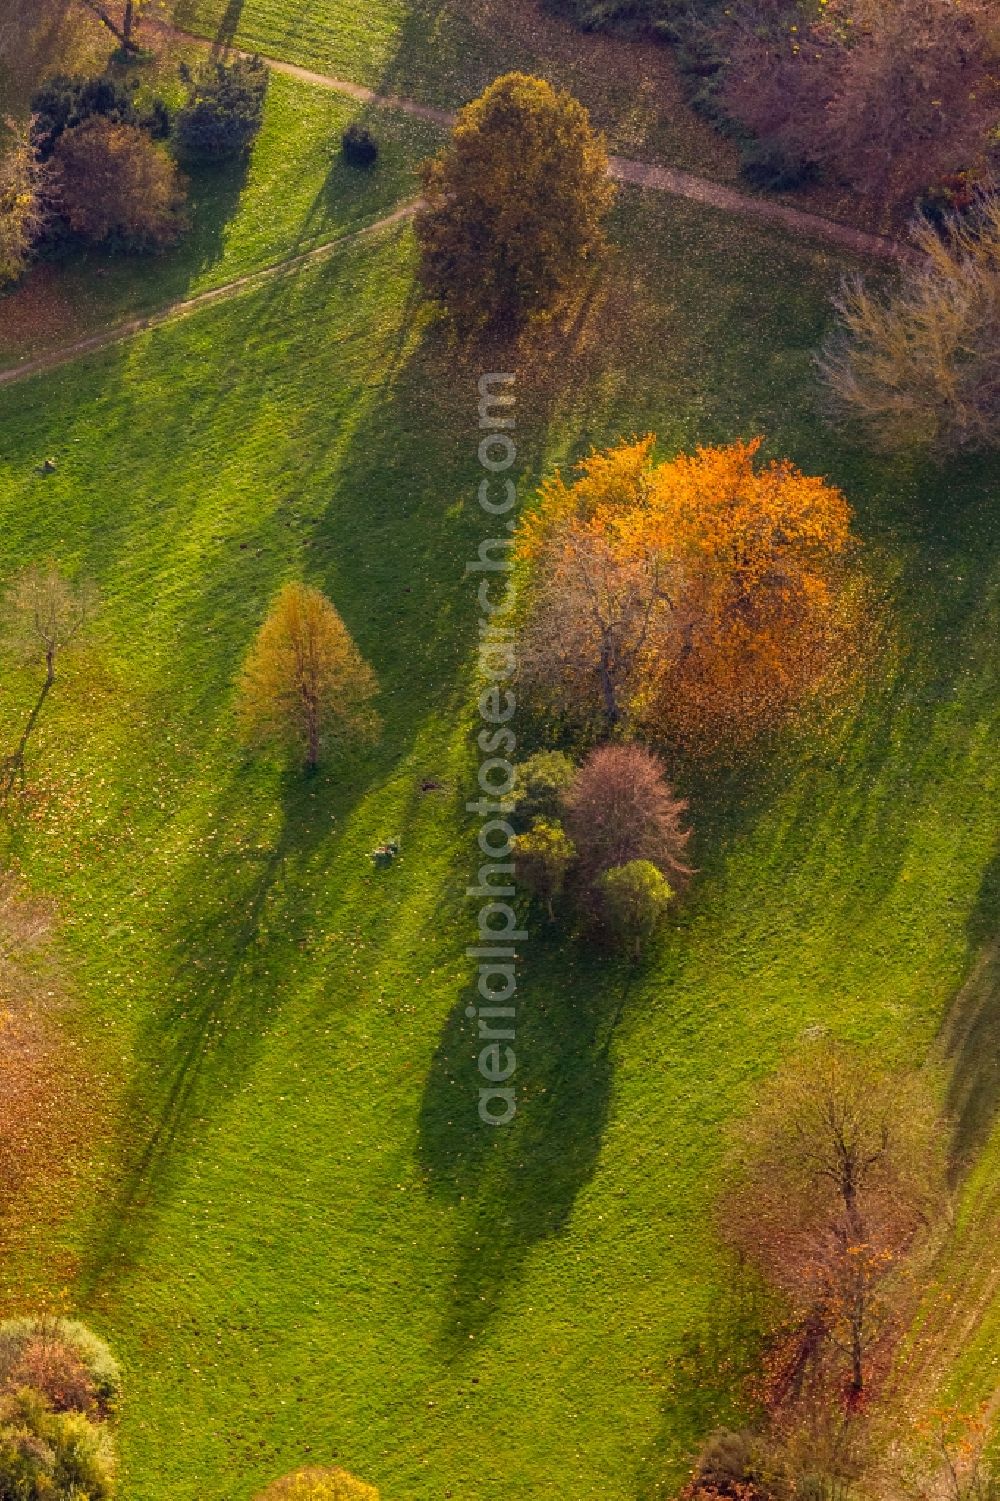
(312, 737)
(612, 713)
(857, 1361)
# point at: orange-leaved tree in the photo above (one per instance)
(703, 599)
(304, 680)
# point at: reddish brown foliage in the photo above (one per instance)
(48, 1365)
(112, 182)
(891, 95)
(620, 808)
(835, 1172)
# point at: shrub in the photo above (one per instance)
(729, 1469)
(542, 856)
(634, 902)
(514, 208)
(319, 1485)
(65, 102)
(541, 782)
(61, 1359)
(51, 1456)
(359, 146)
(223, 112)
(620, 809)
(918, 366)
(113, 185)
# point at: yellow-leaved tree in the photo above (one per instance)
(514, 207)
(703, 599)
(304, 682)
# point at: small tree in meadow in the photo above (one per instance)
(514, 208)
(44, 614)
(542, 858)
(112, 183)
(634, 901)
(304, 682)
(621, 809)
(318, 1484)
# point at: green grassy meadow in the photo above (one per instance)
(294, 1229)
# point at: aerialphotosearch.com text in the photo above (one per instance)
(497, 934)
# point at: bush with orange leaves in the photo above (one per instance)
(704, 600)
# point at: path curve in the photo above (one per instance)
(61, 356)
(660, 179)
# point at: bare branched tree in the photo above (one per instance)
(834, 1173)
(44, 614)
(918, 365)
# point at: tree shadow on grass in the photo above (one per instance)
(970, 1038)
(706, 1382)
(229, 25)
(233, 923)
(235, 918)
(515, 1185)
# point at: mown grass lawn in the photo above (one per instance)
(302, 1242)
(295, 192)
